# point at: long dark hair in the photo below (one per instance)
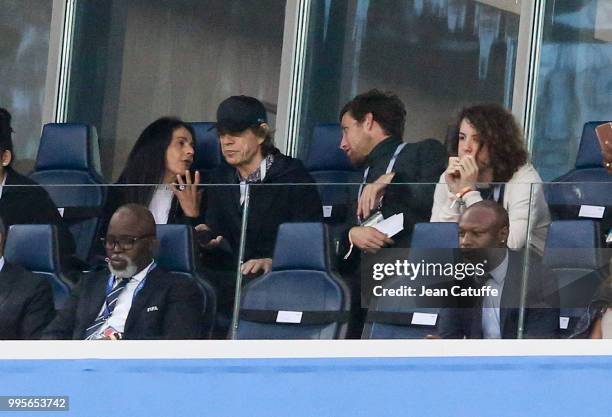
(146, 163)
(497, 128)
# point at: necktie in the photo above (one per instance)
(109, 307)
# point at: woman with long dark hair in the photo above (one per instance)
(489, 162)
(159, 168)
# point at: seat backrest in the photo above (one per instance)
(572, 253)
(434, 235)
(589, 152)
(588, 169)
(337, 178)
(176, 254)
(324, 153)
(300, 281)
(433, 243)
(35, 248)
(69, 155)
(207, 147)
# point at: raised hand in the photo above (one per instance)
(187, 193)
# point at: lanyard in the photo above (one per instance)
(262, 174)
(389, 167)
(110, 285)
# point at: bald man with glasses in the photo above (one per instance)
(132, 298)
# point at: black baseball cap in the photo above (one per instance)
(238, 113)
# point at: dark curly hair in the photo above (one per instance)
(498, 129)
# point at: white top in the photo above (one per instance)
(1, 263)
(517, 201)
(124, 304)
(161, 203)
(491, 322)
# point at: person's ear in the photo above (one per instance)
(368, 121)
(266, 128)
(503, 235)
(7, 157)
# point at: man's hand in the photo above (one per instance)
(211, 244)
(372, 194)
(187, 193)
(369, 239)
(255, 266)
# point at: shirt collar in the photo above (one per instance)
(386, 147)
(255, 176)
(499, 273)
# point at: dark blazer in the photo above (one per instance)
(270, 205)
(541, 314)
(32, 204)
(26, 303)
(177, 316)
(418, 167)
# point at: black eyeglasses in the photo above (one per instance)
(123, 242)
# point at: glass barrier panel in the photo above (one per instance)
(331, 261)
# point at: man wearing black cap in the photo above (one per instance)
(248, 148)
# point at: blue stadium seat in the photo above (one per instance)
(207, 147)
(328, 164)
(300, 287)
(572, 254)
(402, 317)
(587, 184)
(177, 254)
(35, 248)
(69, 155)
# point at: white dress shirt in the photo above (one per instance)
(161, 203)
(124, 304)
(491, 327)
(1, 263)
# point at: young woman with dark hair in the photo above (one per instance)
(159, 168)
(490, 163)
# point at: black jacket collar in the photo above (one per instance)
(384, 149)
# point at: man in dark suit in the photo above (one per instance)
(26, 300)
(372, 130)
(484, 229)
(132, 299)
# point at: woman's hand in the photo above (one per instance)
(468, 173)
(372, 194)
(187, 193)
(461, 173)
